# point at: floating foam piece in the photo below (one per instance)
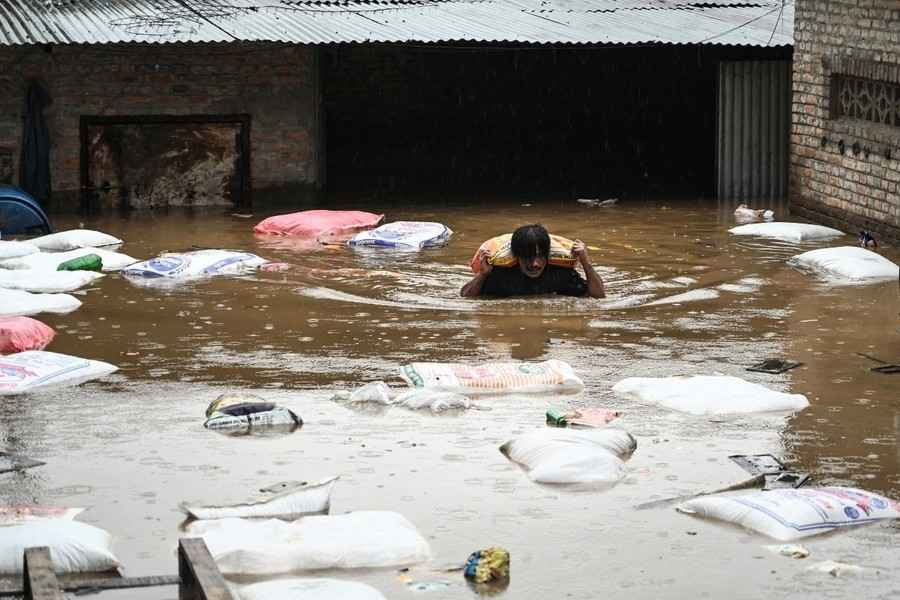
(198, 264)
(404, 235)
(74, 547)
(552, 376)
(850, 263)
(23, 372)
(314, 223)
(49, 261)
(74, 238)
(13, 249)
(792, 232)
(41, 281)
(309, 589)
(707, 395)
(791, 514)
(362, 539)
(16, 303)
(553, 455)
(20, 334)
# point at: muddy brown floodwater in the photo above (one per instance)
(131, 447)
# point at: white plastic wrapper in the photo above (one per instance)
(309, 589)
(847, 264)
(791, 514)
(707, 395)
(74, 547)
(404, 235)
(791, 232)
(303, 500)
(13, 249)
(15, 303)
(552, 376)
(49, 261)
(25, 371)
(74, 238)
(553, 455)
(39, 281)
(193, 265)
(360, 539)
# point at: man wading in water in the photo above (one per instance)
(532, 275)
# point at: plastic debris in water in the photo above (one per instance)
(791, 550)
(487, 565)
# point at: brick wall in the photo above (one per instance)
(277, 85)
(845, 171)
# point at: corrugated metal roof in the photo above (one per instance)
(723, 22)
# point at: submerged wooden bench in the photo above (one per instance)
(198, 577)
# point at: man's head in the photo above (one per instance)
(531, 246)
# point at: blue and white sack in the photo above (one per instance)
(404, 235)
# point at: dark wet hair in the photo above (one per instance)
(529, 241)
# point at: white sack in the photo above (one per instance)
(49, 261)
(404, 235)
(30, 280)
(553, 455)
(25, 371)
(74, 238)
(309, 589)
(278, 416)
(552, 376)
(193, 265)
(376, 391)
(792, 232)
(306, 499)
(11, 249)
(74, 547)
(707, 395)
(15, 303)
(848, 263)
(436, 401)
(359, 539)
(790, 514)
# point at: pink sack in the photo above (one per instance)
(314, 223)
(18, 334)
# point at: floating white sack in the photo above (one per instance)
(790, 514)
(707, 394)
(12, 249)
(437, 401)
(309, 589)
(74, 238)
(553, 455)
(360, 539)
(16, 515)
(193, 265)
(792, 232)
(847, 262)
(303, 500)
(552, 376)
(405, 235)
(14, 303)
(49, 261)
(269, 418)
(74, 547)
(39, 281)
(25, 371)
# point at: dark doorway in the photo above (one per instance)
(586, 121)
(161, 160)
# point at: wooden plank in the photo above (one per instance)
(200, 577)
(86, 585)
(39, 580)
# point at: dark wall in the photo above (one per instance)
(584, 121)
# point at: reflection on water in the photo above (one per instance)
(684, 298)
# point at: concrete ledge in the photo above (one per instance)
(840, 219)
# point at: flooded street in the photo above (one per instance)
(683, 297)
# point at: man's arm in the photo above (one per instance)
(473, 287)
(594, 282)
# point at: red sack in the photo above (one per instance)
(18, 334)
(313, 223)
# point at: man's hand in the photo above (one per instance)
(579, 251)
(484, 264)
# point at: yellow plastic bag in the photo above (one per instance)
(500, 252)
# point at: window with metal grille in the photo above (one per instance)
(867, 99)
